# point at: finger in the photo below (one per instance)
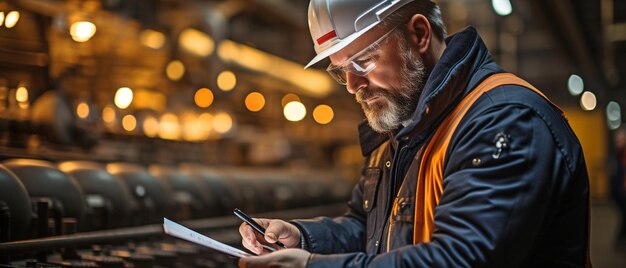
(254, 261)
(263, 222)
(249, 234)
(255, 248)
(276, 229)
(245, 232)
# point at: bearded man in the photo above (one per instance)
(466, 165)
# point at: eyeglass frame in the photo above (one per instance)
(342, 78)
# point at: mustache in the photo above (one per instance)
(368, 93)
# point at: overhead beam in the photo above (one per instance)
(561, 20)
(285, 10)
(42, 7)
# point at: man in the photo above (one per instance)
(466, 166)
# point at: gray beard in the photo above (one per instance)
(402, 101)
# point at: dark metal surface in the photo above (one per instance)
(122, 234)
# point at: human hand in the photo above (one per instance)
(275, 230)
(292, 258)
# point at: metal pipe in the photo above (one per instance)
(5, 222)
(124, 234)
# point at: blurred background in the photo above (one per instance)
(188, 108)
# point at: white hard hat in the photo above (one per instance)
(334, 24)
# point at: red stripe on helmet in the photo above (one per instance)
(330, 35)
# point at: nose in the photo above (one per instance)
(355, 83)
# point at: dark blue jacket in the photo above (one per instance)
(525, 204)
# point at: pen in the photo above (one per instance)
(254, 224)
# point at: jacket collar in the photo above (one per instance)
(465, 63)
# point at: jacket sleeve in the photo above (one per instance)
(492, 206)
(340, 234)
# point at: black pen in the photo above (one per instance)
(254, 224)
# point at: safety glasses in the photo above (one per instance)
(361, 63)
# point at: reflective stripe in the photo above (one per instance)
(324, 38)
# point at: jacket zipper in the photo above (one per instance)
(390, 225)
(390, 192)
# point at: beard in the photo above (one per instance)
(386, 116)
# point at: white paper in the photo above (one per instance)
(182, 232)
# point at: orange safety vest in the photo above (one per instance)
(430, 175)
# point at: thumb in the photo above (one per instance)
(276, 229)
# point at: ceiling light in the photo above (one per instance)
(82, 31)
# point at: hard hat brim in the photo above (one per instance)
(336, 47)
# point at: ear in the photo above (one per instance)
(420, 32)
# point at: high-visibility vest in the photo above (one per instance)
(429, 185)
(430, 177)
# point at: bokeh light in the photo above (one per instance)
(82, 110)
(82, 31)
(502, 7)
(11, 19)
(323, 114)
(588, 101)
(151, 126)
(203, 97)
(255, 101)
(123, 97)
(108, 114)
(294, 111)
(575, 85)
(226, 80)
(289, 98)
(175, 70)
(222, 122)
(129, 123)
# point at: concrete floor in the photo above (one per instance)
(604, 220)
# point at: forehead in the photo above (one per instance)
(358, 45)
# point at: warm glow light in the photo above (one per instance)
(1, 18)
(151, 126)
(196, 42)
(175, 70)
(289, 98)
(149, 100)
(588, 101)
(323, 114)
(255, 101)
(222, 122)
(11, 19)
(311, 82)
(123, 97)
(203, 97)
(108, 114)
(82, 31)
(206, 124)
(129, 123)
(502, 7)
(152, 39)
(192, 127)
(169, 127)
(82, 110)
(575, 85)
(226, 80)
(21, 94)
(294, 111)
